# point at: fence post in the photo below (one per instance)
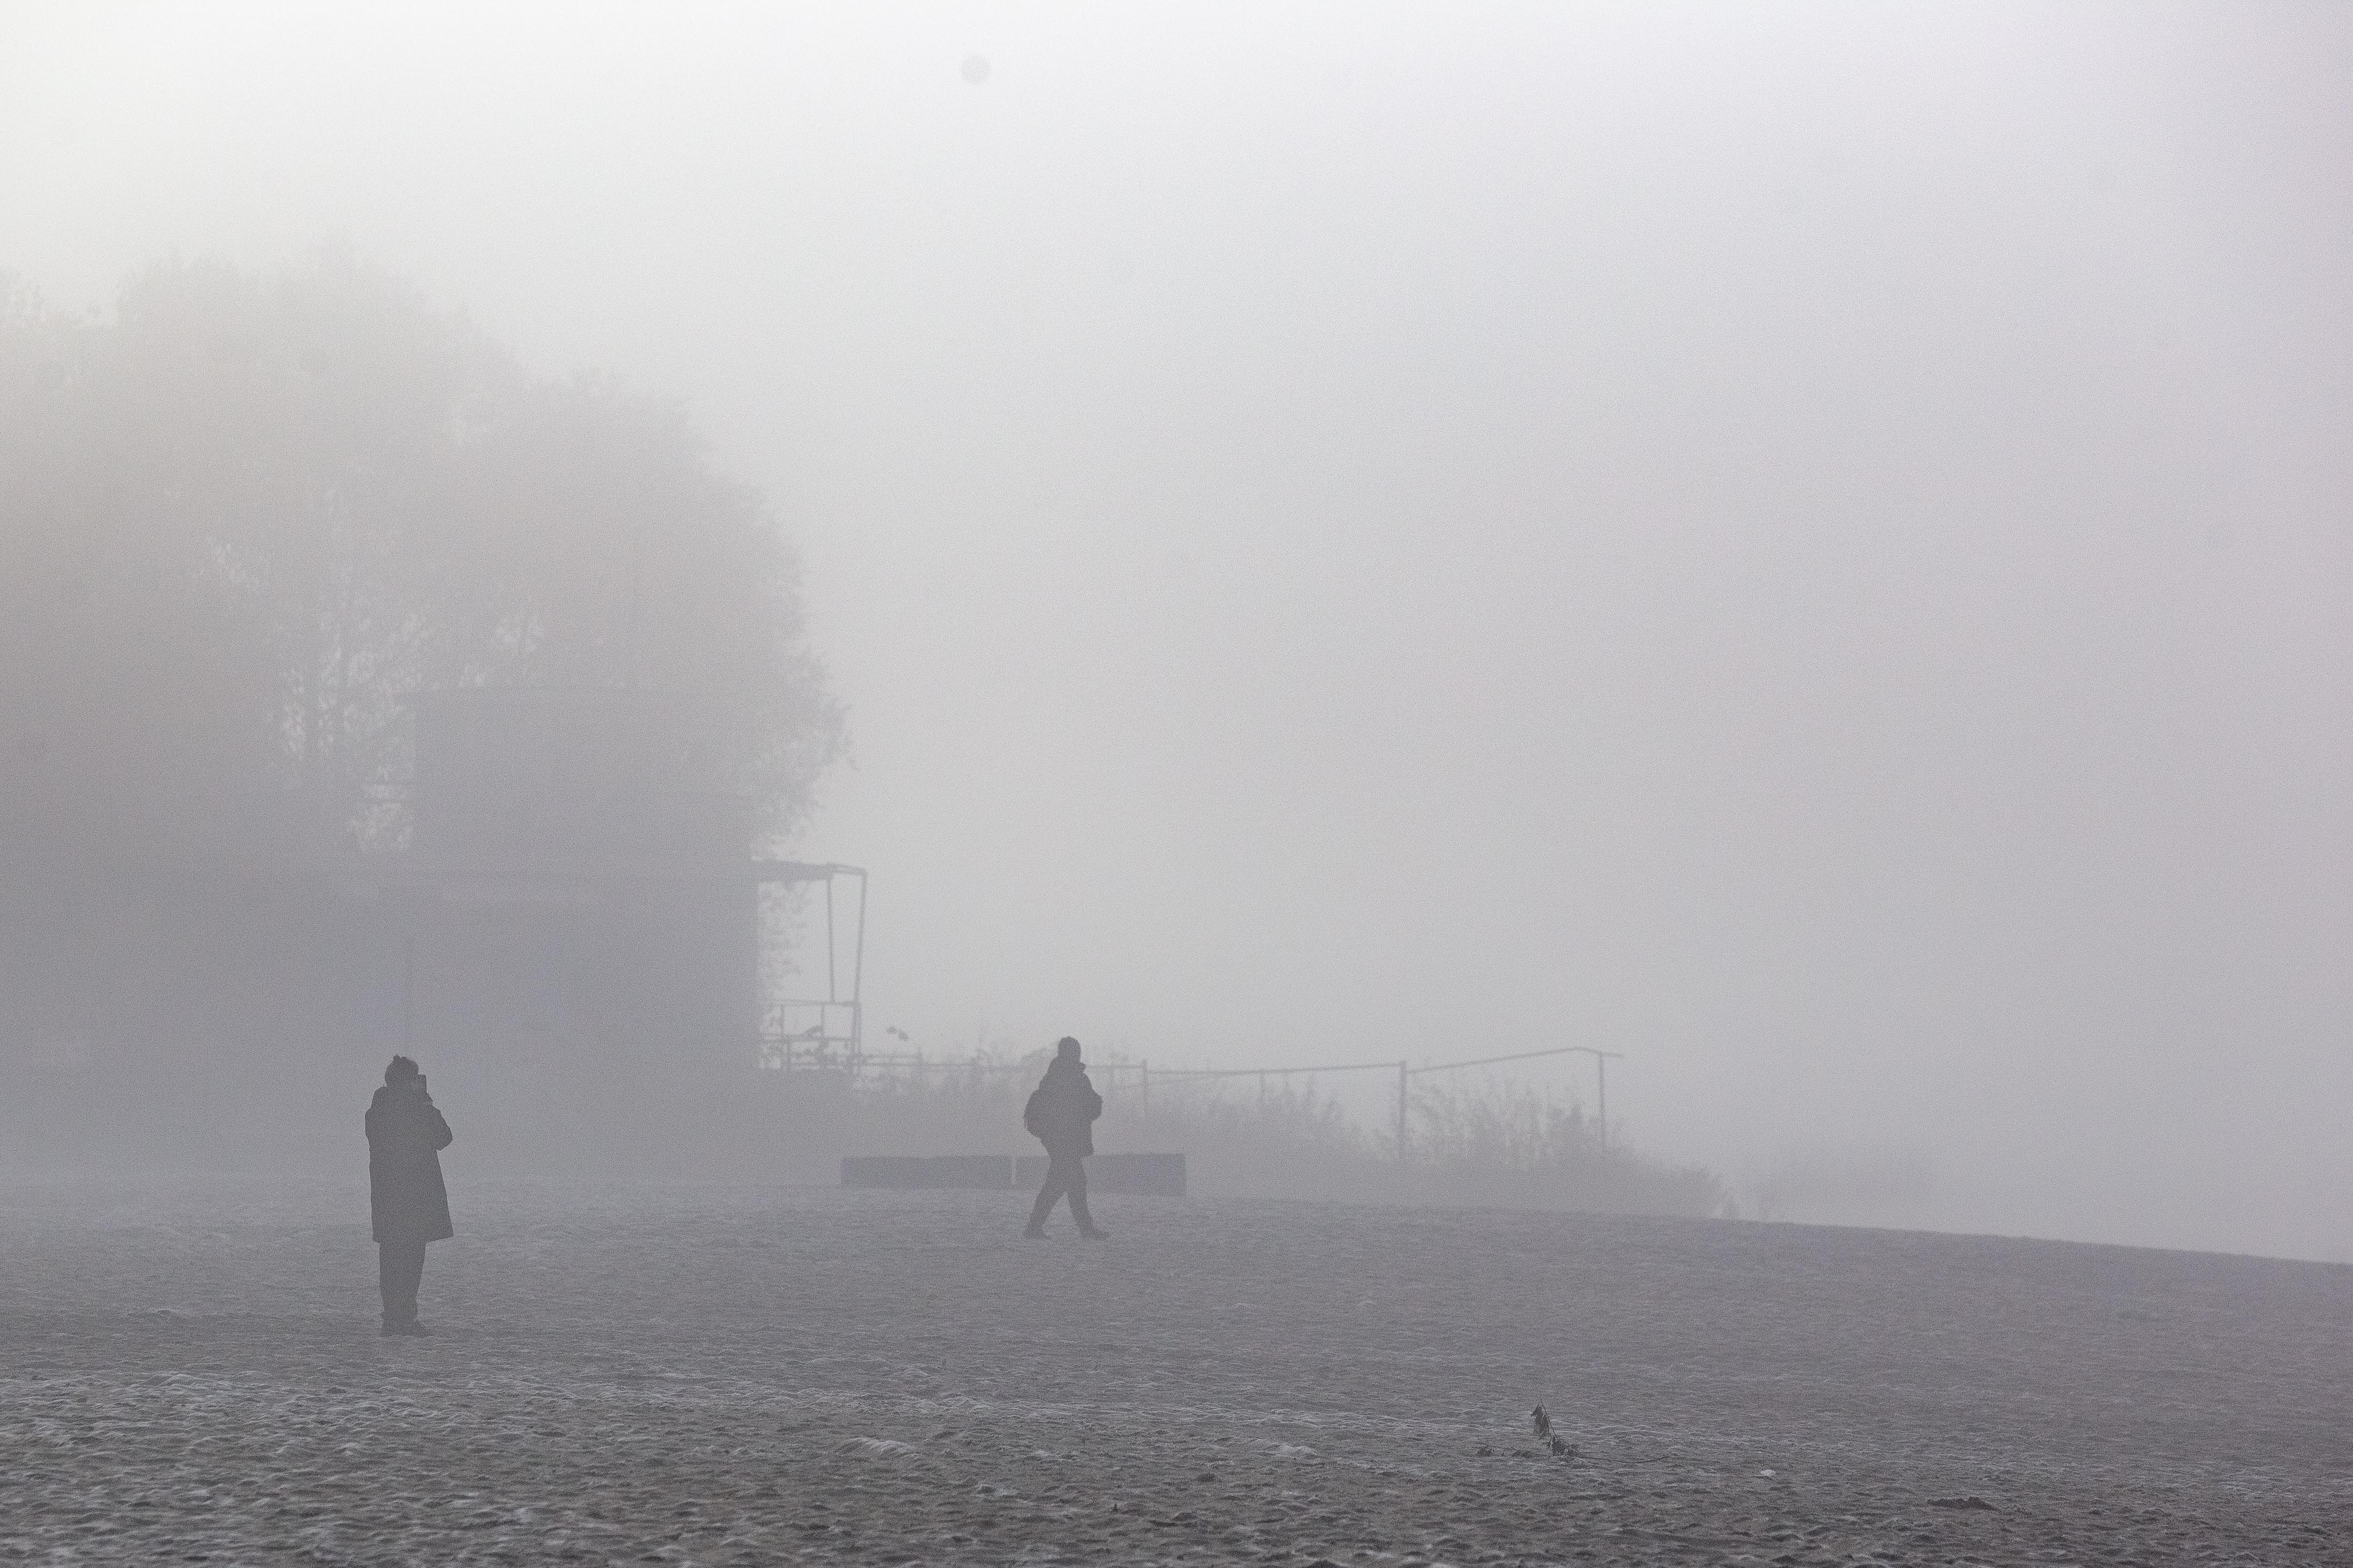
(1402, 1090)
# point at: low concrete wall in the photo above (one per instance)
(988, 1172)
(1153, 1175)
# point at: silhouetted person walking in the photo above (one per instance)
(1061, 1115)
(410, 1206)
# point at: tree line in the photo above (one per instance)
(244, 517)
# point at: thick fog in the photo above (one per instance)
(1806, 545)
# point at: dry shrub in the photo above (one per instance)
(1489, 1145)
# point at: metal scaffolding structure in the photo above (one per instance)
(819, 1032)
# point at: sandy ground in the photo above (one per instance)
(699, 1375)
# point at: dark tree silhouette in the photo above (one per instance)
(243, 518)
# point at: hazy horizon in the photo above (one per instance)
(1807, 546)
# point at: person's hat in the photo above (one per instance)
(1067, 1048)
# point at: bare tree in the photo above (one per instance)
(245, 518)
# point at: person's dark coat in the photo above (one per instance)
(405, 1133)
(1061, 1113)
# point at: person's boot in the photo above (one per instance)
(405, 1328)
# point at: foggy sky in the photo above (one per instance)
(1809, 545)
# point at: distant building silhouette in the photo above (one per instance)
(555, 907)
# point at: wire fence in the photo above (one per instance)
(1139, 1078)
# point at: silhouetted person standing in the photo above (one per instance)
(410, 1206)
(1061, 1115)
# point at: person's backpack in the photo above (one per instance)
(1033, 1115)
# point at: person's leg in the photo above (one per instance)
(1048, 1195)
(413, 1278)
(388, 1271)
(400, 1269)
(1076, 1182)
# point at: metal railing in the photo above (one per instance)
(820, 1052)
